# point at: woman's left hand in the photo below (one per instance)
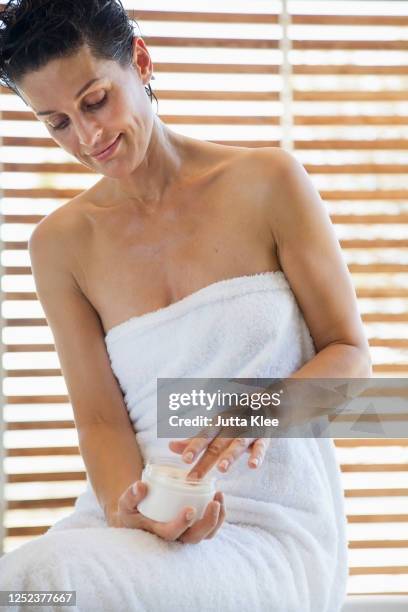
(221, 451)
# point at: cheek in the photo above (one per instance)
(69, 143)
(115, 109)
(130, 108)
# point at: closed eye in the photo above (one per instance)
(97, 104)
(90, 107)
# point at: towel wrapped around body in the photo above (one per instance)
(283, 545)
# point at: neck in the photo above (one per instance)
(160, 168)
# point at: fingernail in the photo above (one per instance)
(224, 464)
(188, 456)
(135, 489)
(254, 461)
(190, 515)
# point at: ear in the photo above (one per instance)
(142, 60)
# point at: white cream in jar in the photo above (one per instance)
(169, 491)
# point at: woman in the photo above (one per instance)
(186, 259)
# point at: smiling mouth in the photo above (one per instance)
(108, 151)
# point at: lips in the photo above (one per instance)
(106, 151)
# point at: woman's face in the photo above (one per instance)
(95, 109)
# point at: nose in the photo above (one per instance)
(89, 133)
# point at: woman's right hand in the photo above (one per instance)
(181, 528)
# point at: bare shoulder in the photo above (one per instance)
(264, 178)
(63, 227)
(276, 167)
(53, 246)
(269, 159)
(48, 236)
(57, 223)
(266, 167)
(289, 191)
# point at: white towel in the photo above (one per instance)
(283, 546)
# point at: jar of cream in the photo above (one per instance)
(169, 491)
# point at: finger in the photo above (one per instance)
(127, 507)
(178, 446)
(195, 446)
(210, 457)
(203, 466)
(258, 450)
(198, 443)
(133, 495)
(204, 526)
(237, 447)
(172, 530)
(221, 516)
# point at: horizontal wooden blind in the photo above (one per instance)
(330, 87)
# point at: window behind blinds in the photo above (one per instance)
(330, 87)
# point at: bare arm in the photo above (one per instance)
(106, 436)
(310, 255)
(113, 462)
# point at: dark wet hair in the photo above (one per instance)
(33, 32)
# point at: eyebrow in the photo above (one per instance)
(80, 92)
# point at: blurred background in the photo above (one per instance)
(326, 80)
